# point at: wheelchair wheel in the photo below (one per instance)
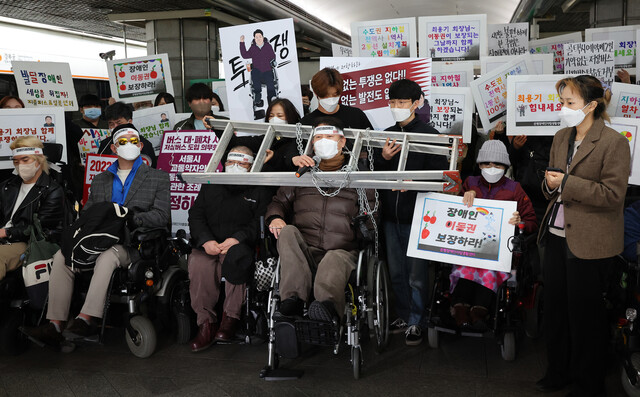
(12, 341)
(533, 316)
(508, 348)
(378, 284)
(630, 389)
(433, 336)
(141, 336)
(356, 360)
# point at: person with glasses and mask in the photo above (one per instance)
(130, 183)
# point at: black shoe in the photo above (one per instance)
(78, 329)
(549, 385)
(46, 334)
(323, 311)
(290, 307)
(413, 335)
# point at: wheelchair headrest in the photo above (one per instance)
(53, 151)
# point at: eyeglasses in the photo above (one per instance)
(241, 164)
(123, 141)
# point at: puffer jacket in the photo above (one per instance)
(45, 198)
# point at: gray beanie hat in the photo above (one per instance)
(493, 151)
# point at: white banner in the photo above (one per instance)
(153, 122)
(451, 74)
(384, 38)
(508, 38)
(594, 58)
(140, 79)
(445, 230)
(555, 45)
(452, 111)
(45, 123)
(453, 37)
(45, 84)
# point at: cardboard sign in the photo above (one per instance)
(97, 164)
(594, 58)
(90, 141)
(140, 79)
(445, 230)
(452, 111)
(338, 50)
(45, 84)
(453, 37)
(185, 151)
(152, 123)
(508, 39)
(629, 128)
(555, 45)
(624, 39)
(367, 81)
(543, 63)
(451, 74)
(490, 91)
(255, 74)
(384, 38)
(625, 100)
(15, 123)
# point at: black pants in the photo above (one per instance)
(473, 294)
(258, 78)
(575, 324)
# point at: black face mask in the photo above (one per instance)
(305, 109)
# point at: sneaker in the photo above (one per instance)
(323, 311)
(290, 307)
(46, 334)
(398, 326)
(78, 329)
(413, 335)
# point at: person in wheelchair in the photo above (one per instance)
(224, 223)
(129, 183)
(316, 238)
(473, 290)
(31, 191)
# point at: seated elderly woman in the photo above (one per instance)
(224, 222)
(31, 190)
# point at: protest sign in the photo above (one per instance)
(542, 63)
(508, 38)
(45, 123)
(453, 37)
(153, 122)
(629, 128)
(219, 87)
(490, 91)
(625, 100)
(624, 39)
(594, 58)
(185, 151)
(533, 105)
(338, 50)
(94, 165)
(90, 141)
(140, 79)
(451, 74)
(452, 111)
(367, 80)
(555, 45)
(445, 230)
(257, 55)
(45, 84)
(384, 38)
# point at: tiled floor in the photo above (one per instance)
(460, 367)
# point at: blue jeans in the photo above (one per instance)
(409, 276)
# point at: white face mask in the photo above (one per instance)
(128, 151)
(325, 148)
(215, 109)
(277, 120)
(27, 171)
(492, 174)
(570, 117)
(329, 104)
(400, 114)
(235, 169)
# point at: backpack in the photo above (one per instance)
(94, 232)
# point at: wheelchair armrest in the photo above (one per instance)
(146, 234)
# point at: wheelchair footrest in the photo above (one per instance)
(320, 333)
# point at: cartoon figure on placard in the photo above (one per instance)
(262, 67)
(490, 234)
(48, 121)
(522, 109)
(432, 51)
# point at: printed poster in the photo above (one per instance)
(384, 38)
(185, 151)
(90, 142)
(555, 45)
(445, 230)
(594, 58)
(629, 128)
(338, 50)
(453, 37)
(367, 80)
(140, 79)
(45, 123)
(451, 74)
(542, 63)
(153, 122)
(508, 39)
(625, 100)
(624, 39)
(260, 64)
(452, 111)
(45, 84)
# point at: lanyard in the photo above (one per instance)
(572, 142)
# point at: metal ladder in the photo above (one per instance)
(447, 181)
